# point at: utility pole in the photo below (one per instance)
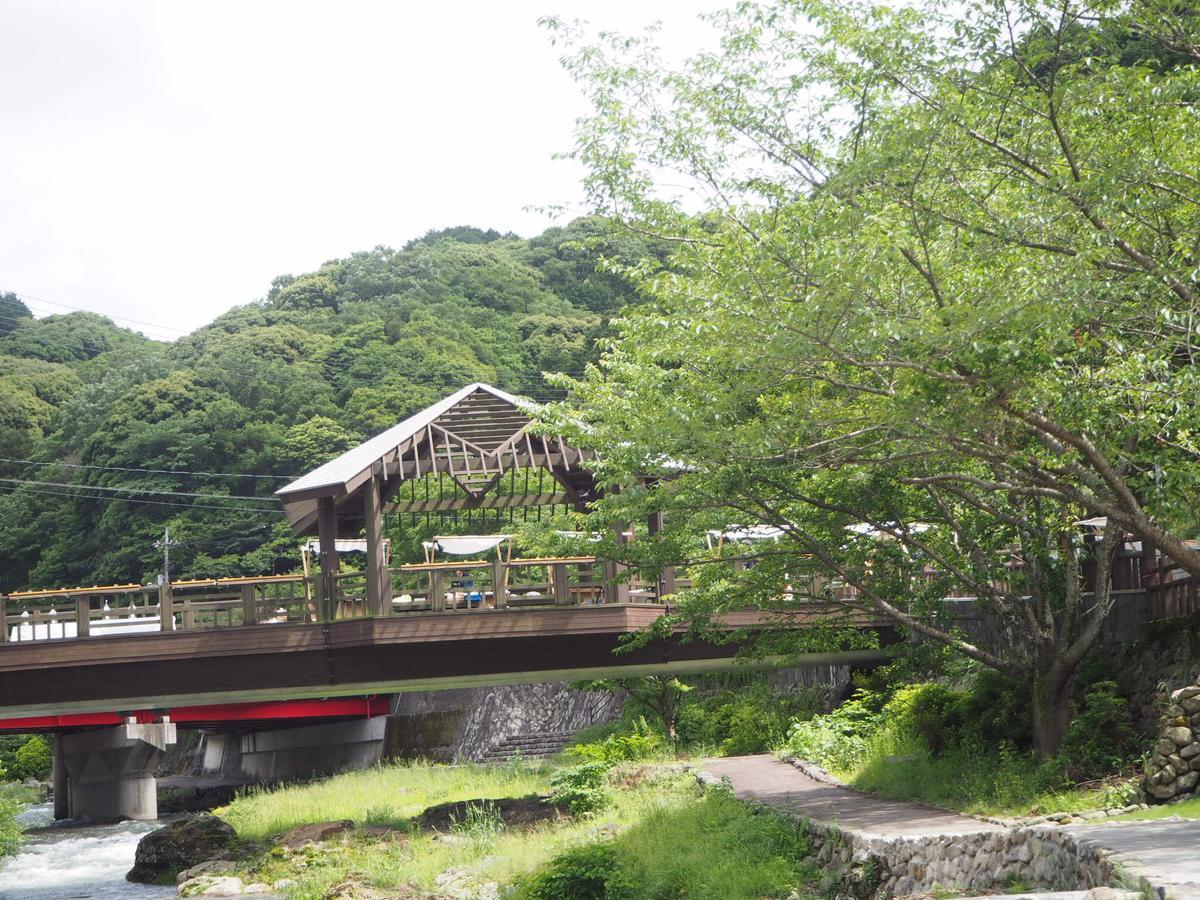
(166, 543)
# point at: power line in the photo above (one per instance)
(125, 490)
(32, 462)
(69, 496)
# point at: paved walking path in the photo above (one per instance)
(767, 780)
(1165, 851)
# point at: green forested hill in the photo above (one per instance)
(96, 414)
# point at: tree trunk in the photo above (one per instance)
(1051, 713)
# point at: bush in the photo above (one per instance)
(1101, 738)
(581, 789)
(33, 759)
(590, 872)
(617, 748)
(838, 738)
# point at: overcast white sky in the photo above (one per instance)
(162, 161)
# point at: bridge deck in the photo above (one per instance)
(342, 658)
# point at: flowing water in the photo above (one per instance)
(75, 863)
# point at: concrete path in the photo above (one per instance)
(778, 784)
(1164, 851)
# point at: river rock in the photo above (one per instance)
(1186, 693)
(1190, 750)
(1179, 735)
(164, 853)
(212, 886)
(1164, 747)
(208, 867)
(1187, 782)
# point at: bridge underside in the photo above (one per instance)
(428, 651)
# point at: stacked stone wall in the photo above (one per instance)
(1174, 767)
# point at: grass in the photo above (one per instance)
(998, 784)
(1185, 809)
(711, 848)
(384, 795)
(663, 822)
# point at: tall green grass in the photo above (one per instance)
(670, 828)
(382, 795)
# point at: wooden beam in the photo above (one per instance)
(487, 501)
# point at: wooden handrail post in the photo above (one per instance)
(437, 591)
(189, 615)
(561, 590)
(3, 619)
(83, 617)
(249, 616)
(166, 611)
(499, 584)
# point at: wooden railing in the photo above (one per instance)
(207, 604)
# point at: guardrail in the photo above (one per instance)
(207, 604)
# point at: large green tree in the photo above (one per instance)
(944, 286)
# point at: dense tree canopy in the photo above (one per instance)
(945, 292)
(106, 437)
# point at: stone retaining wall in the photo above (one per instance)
(1043, 858)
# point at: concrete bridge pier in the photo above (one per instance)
(284, 753)
(108, 773)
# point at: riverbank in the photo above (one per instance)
(638, 829)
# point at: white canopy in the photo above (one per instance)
(466, 544)
(347, 545)
(749, 533)
(866, 529)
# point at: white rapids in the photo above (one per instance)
(75, 863)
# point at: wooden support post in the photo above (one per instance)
(437, 590)
(166, 610)
(373, 515)
(249, 613)
(499, 584)
(330, 564)
(616, 588)
(666, 578)
(558, 582)
(3, 619)
(83, 617)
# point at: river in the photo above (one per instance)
(70, 863)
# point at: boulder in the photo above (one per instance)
(1162, 791)
(167, 851)
(314, 834)
(514, 812)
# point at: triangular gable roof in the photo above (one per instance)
(339, 473)
(473, 435)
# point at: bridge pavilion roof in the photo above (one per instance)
(473, 437)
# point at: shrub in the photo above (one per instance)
(1101, 736)
(581, 789)
(590, 872)
(33, 759)
(838, 738)
(642, 743)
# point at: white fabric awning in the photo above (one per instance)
(466, 544)
(347, 545)
(750, 533)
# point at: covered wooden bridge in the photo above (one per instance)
(473, 451)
